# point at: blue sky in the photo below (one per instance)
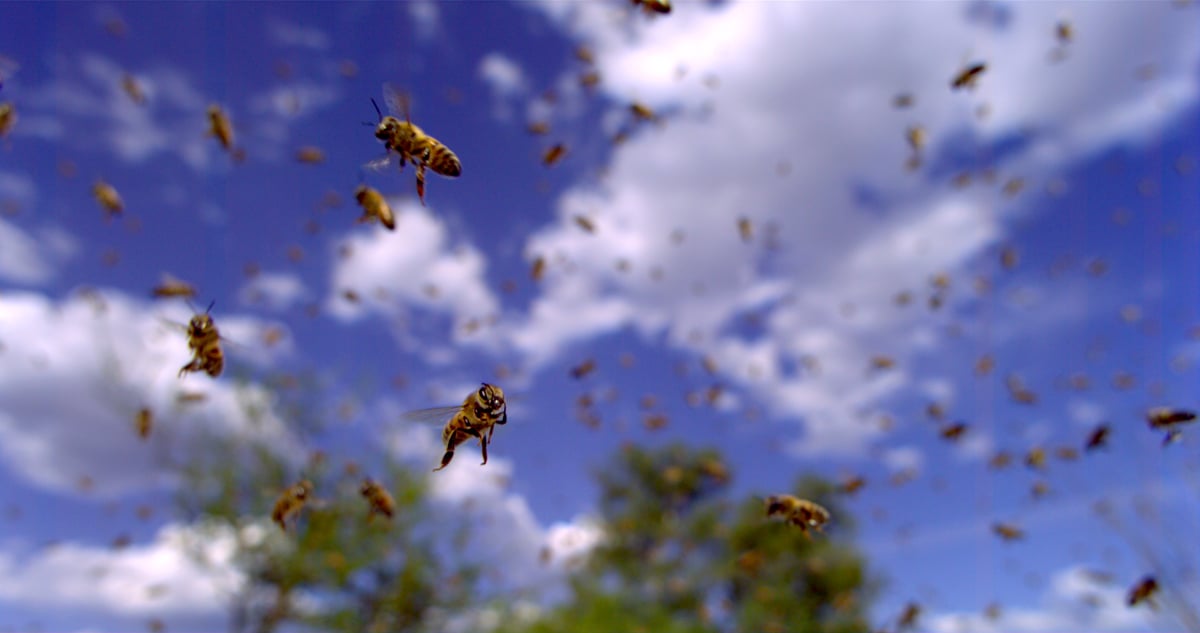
(780, 113)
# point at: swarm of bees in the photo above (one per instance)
(291, 502)
(476, 417)
(411, 143)
(375, 207)
(801, 513)
(204, 341)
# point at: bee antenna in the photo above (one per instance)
(210, 306)
(377, 110)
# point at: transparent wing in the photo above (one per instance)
(397, 101)
(380, 163)
(433, 415)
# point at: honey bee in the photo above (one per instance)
(1098, 438)
(205, 343)
(172, 287)
(654, 6)
(1143, 591)
(476, 417)
(143, 422)
(585, 223)
(1000, 460)
(1163, 417)
(411, 143)
(374, 206)
(745, 229)
(554, 154)
(291, 502)
(801, 513)
(538, 128)
(108, 198)
(590, 79)
(310, 155)
(1064, 32)
(852, 485)
(132, 88)
(1008, 531)
(538, 268)
(642, 112)
(908, 617)
(954, 432)
(967, 77)
(916, 137)
(8, 117)
(1036, 458)
(583, 369)
(379, 498)
(219, 126)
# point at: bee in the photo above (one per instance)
(538, 128)
(1163, 417)
(585, 223)
(1143, 591)
(132, 88)
(852, 485)
(1098, 438)
(908, 617)
(205, 343)
(8, 117)
(1064, 32)
(310, 155)
(954, 432)
(1036, 458)
(583, 369)
(642, 112)
(171, 287)
(1008, 531)
(590, 79)
(916, 137)
(745, 229)
(554, 154)
(411, 143)
(291, 502)
(1000, 460)
(476, 417)
(967, 77)
(654, 6)
(801, 513)
(108, 198)
(143, 422)
(538, 268)
(374, 206)
(219, 126)
(379, 498)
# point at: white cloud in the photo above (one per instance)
(415, 266)
(853, 225)
(115, 355)
(27, 259)
(505, 79)
(285, 33)
(277, 291)
(161, 578)
(17, 186)
(904, 458)
(426, 19)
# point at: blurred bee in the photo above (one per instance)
(554, 154)
(584, 54)
(538, 128)
(852, 485)
(8, 117)
(291, 502)
(801, 513)
(916, 137)
(967, 77)
(476, 417)
(411, 143)
(310, 155)
(219, 126)
(379, 498)
(1066, 453)
(108, 198)
(143, 422)
(1098, 438)
(1143, 591)
(205, 343)
(1163, 417)
(1036, 458)
(654, 6)
(745, 229)
(585, 223)
(1000, 460)
(583, 369)
(590, 79)
(642, 112)
(374, 206)
(1064, 32)
(1008, 531)
(171, 287)
(954, 432)
(132, 88)
(538, 268)
(908, 617)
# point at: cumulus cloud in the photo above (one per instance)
(426, 17)
(417, 266)
(27, 259)
(276, 291)
(809, 152)
(184, 571)
(115, 355)
(285, 33)
(505, 79)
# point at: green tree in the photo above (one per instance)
(679, 557)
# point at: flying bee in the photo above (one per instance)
(132, 88)
(8, 117)
(476, 417)
(908, 617)
(379, 498)
(219, 126)
(801, 513)
(642, 112)
(411, 143)
(1163, 417)
(967, 77)
(143, 422)
(172, 287)
(1008, 531)
(291, 502)
(374, 206)
(916, 137)
(310, 154)
(954, 432)
(204, 341)
(1143, 591)
(1098, 438)
(108, 198)
(554, 154)
(654, 6)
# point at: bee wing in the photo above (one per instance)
(431, 415)
(379, 164)
(397, 101)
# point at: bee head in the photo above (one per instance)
(387, 128)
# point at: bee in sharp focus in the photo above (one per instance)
(411, 143)
(476, 417)
(108, 198)
(204, 341)
(291, 502)
(801, 513)
(379, 498)
(374, 206)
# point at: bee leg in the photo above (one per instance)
(445, 460)
(483, 441)
(190, 367)
(452, 442)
